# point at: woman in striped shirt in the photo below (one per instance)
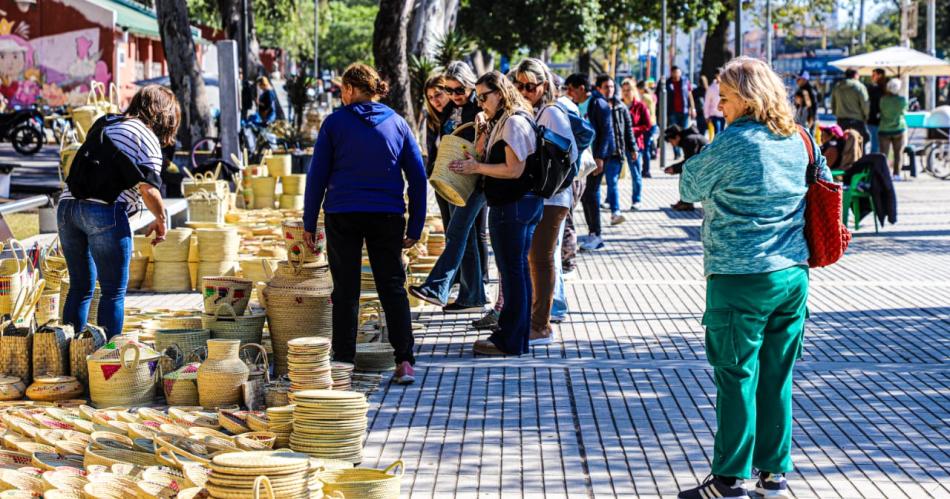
(116, 171)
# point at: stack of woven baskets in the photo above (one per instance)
(308, 362)
(217, 251)
(171, 272)
(263, 189)
(247, 474)
(293, 189)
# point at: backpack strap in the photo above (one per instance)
(811, 171)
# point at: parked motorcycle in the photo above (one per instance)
(23, 128)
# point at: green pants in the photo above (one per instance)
(754, 325)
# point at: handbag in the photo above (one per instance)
(826, 235)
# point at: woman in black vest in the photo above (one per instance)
(505, 140)
(116, 171)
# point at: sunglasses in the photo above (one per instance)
(484, 97)
(455, 90)
(530, 87)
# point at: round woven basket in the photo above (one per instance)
(365, 483)
(123, 374)
(188, 340)
(218, 244)
(138, 266)
(18, 480)
(171, 277)
(222, 290)
(226, 325)
(294, 184)
(258, 269)
(290, 202)
(64, 480)
(220, 376)
(174, 248)
(216, 269)
(453, 187)
(298, 304)
(263, 187)
(297, 249)
(279, 165)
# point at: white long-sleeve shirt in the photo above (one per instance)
(711, 106)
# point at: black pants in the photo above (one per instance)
(590, 200)
(383, 233)
(484, 242)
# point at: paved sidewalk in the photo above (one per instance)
(623, 405)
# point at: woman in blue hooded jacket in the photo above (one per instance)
(362, 152)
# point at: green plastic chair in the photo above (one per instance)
(851, 201)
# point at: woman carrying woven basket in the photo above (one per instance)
(505, 140)
(117, 169)
(356, 177)
(751, 181)
(534, 81)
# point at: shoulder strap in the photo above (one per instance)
(811, 172)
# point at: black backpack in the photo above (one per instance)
(549, 168)
(101, 171)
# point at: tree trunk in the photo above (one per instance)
(715, 51)
(230, 11)
(583, 62)
(482, 61)
(389, 52)
(183, 70)
(431, 20)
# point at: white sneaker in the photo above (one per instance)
(569, 274)
(593, 243)
(581, 240)
(617, 218)
(635, 207)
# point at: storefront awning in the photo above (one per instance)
(136, 19)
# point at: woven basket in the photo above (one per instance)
(263, 187)
(14, 273)
(226, 325)
(207, 181)
(182, 320)
(51, 388)
(84, 344)
(256, 440)
(279, 165)
(220, 376)
(215, 245)
(123, 374)
(294, 184)
(204, 206)
(18, 480)
(216, 269)
(174, 248)
(16, 348)
(290, 202)
(64, 480)
(51, 351)
(365, 483)
(258, 269)
(297, 249)
(138, 266)
(453, 187)
(298, 304)
(47, 308)
(263, 202)
(172, 277)
(108, 456)
(187, 340)
(221, 290)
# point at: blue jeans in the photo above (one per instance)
(681, 119)
(612, 168)
(460, 257)
(97, 244)
(636, 174)
(512, 228)
(875, 145)
(719, 123)
(559, 305)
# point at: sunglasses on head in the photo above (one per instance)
(530, 87)
(455, 90)
(484, 97)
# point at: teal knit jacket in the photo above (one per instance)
(751, 183)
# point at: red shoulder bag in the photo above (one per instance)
(827, 237)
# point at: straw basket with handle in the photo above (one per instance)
(207, 181)
(204, 206)
(453, 187)
(14, 275)
(233, 291)
(296, 247)
(87, 341)
(123, 372)
(364, 482)
(226, 325)
(16, 347)
(51, 350)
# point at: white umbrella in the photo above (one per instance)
(901, 61)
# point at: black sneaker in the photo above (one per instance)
(455, 308)
(418, 293)
(713, 486)
(772, 485)
(489, 321)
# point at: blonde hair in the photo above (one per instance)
(433, 122)
(511, 99)
(632, 85)
(762, 91)
(537, 72)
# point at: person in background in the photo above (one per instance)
(754, 256)
(267, 105)
(605, 154)
(534, 81)
(850, 104)
(648, 98)
(679, 103)
(575, 91)
(93, 212)
(711, 108)
(623, 144)
(876, 90)
(891, 136)
(801, 106)
(808, 94)
(437, 107)
(461, 260)
(692, 141)
(356, 176)
(506, 138)
(640, 120)
(699, 98)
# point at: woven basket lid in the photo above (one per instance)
(9, 380)
(329, 395)
(261, 459)
(50, 379)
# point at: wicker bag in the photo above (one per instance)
(453, 187)
(297, 249)
(207, 181)
(207, 207)
(181, 386)
(14, 275)
(232, 291)
(47, 308)
(51, 350)
(226, 325)
(123, 372)
(365, 483)
(16, 350)
(187, 340)
(87, 341)
(174, 248)
(53, 266)
(298, 304)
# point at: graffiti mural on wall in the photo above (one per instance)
(53, 70)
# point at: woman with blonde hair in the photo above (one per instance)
(640, 118)
(505, 140)
(751, 181)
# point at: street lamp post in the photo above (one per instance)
(737, 46)
(768, 32)
(932, 50)
(661, 87)
(316, 38)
